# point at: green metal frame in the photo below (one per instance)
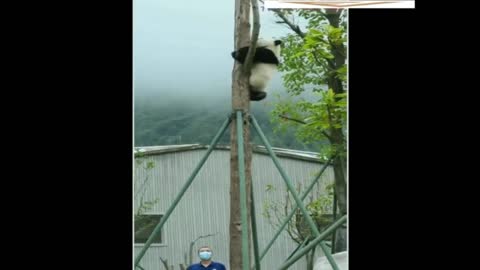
(292, 213)
(301, 245)
(254, 233)
(314, 242)
(297, 254)
(290, 187)
(159, 226)
(243, 192)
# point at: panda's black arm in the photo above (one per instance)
(262, 55)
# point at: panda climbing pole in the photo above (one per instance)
(241, 193)
(242, 207)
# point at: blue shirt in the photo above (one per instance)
(212, 266)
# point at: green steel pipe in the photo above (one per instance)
(297, 248)
(314, 242)
(184, 189)
(299, 203)
(243, 192)
(254, 233)
(289, 217)
(141, 268)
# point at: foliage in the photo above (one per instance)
(314, 73)
(140, 187)
(309, 68)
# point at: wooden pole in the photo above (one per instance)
(240, 101)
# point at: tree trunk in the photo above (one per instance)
(240, 101)
(337, 137)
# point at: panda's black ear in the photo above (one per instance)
(278, 42)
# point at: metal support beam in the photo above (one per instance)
(314, 242)
(290, 187)
(254, 234)
(243, 192)
(164, 218)
(292, 213)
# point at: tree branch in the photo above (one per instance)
(330, 119)
(164, 262)
(299, 32)
(304, 123)
(292, 119)
(255, 31)
(292, 26)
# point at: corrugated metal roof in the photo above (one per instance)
(283, 152)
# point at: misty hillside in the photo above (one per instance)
(175, 119)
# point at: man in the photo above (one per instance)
(205, 254)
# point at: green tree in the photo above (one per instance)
(314, 64)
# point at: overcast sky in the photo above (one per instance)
(185, 46)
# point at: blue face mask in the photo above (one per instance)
(205, 255)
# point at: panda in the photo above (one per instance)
(265, 64)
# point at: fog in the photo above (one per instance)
(182, 50)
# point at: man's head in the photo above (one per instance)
(205, 253)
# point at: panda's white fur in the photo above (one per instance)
(262, 73)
